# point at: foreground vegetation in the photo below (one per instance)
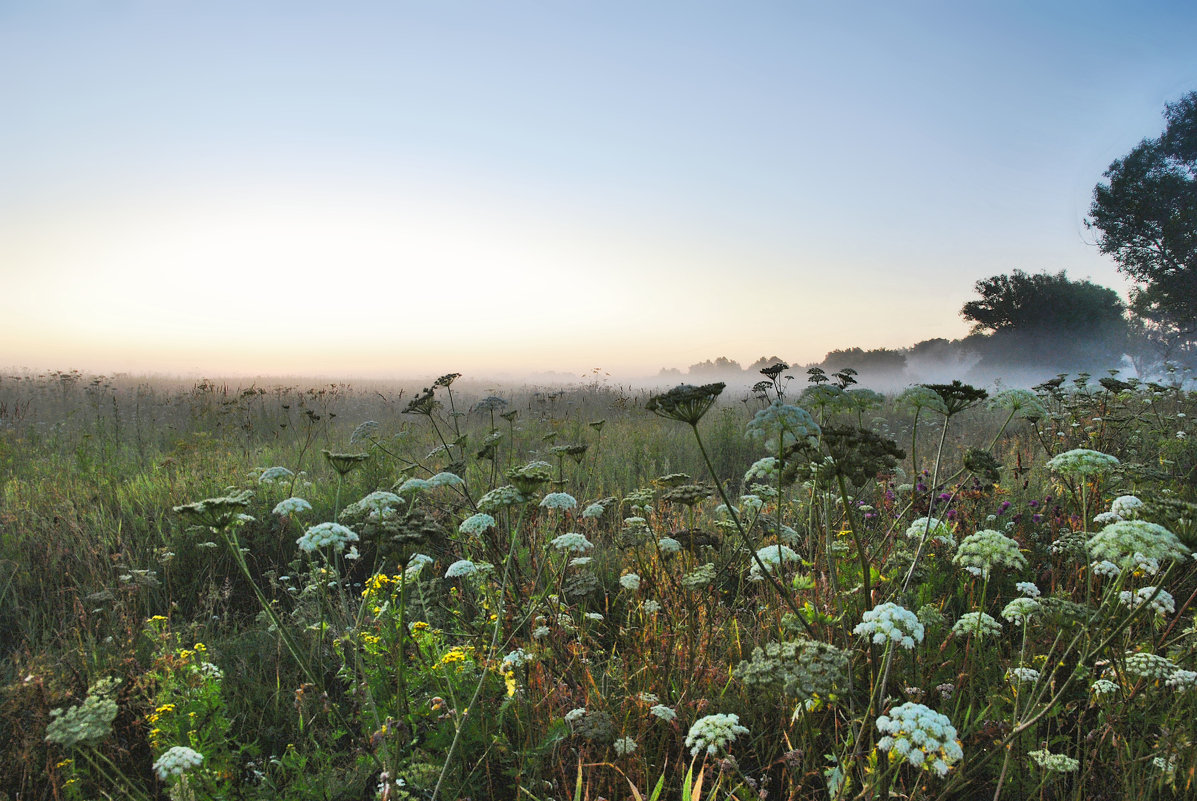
(461, 592)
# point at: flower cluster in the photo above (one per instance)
(1127, 507)
(1020, 610)
(630, 581)
(572, 542)
(1054, 763)
(713, 733)
(1163, 603)
(1082, 463)
(888, 621)
(558, 500)
(772, 557)
(291, 507)
(977, 624)
(461, 568)
(1150, 666)
(501, 498)
(273, 474)
(921, 736)
(88, 722)
(781, 425)
(1121, 542)
(177, 761)
(476, 525)
(324, 534)
(981, 552)
(1022, 402)
(1022, 674)
(933, 529)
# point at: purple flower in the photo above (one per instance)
(944, 496)
(1033, 504)
(1005, 505)
(1036, 518)
(951, 515)
(921, 487)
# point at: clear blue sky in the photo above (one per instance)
(413, 187)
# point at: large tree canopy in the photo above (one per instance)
(1146, 218)
(1047, 319)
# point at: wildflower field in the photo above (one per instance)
(801, 590)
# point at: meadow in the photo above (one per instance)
(800, 590)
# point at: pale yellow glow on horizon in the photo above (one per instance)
(387, 285)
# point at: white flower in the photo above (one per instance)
(580, 561)
(273, 474)
(1127, 507)
(987, 549)
(750, 505)
(651, 607)
(781, 425)
(624, 746)
(477, 524)
(1182, 679)
(1020, 610)
(713, 733)
(1105, 568)
(630, 581)
(593, 617)
(1163, 602)
(1054, 763)
(352, 554)
(324, 534)
(572, 542)
(593, 511)
(1022, 674)
(558, 500)
(924, 737)
(1103, 687)
(1105, 518)
(414, 485)
(291, 507)
(416, 564)
(977, 624)
(1082, 462)
(1022, 402)
(445, 480)
(669, 545)
(1126, 541)
(177, 761)
(575, 714)
(663, 712)
(460, 568)
(1028, 589)
(1144, 565)
(772, 557)
(932, 528)
(890, 622)
(763, 471)
(1149, 666)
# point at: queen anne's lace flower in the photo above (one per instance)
(1022, 674)
(558, 500)
(763, 471)
(291, 507)
(1103, 687)
(1182, 680)
(669, 545)
(624, 746)
(773, 556)
(1149, 666)
(476, 525)
(663, 712)
(593, 511)
(89, 722)
(630, 581)
(976, 624)
(1127, 507)
(1028, 589)
(1125, 541)
(572, 542)
(921, 736)
(1021, 402)
(177, 761)
(988, 549)
(1082, 462)
(1054, 763)
(460, 568)
(933, 529)
(325, 534)
(1105, 568)
(1163, 603)
(445, 480)
(414, 485)
(1020, 610)
(500, 498)
(890, 622)
(273, 474)
(781, 425)
(714, 733)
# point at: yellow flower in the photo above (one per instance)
(165, 708)
(418, 626)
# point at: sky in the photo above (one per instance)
(494, 187)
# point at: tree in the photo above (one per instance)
(1146, 218)
(1047, 320)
